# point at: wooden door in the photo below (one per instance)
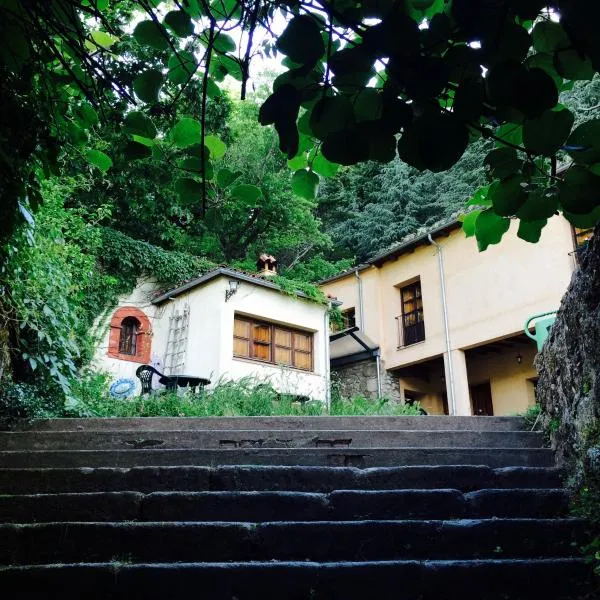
(481, 399)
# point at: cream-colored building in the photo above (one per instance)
(441, 323)
(224, 325)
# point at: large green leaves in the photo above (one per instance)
(186, 132)
(305, 184)
(215, 145)
(546, 134)
(435, 141)
(181, 67)
(150, 33)
(137, 123)
(584, 143)
(147, 85)
(179, 23)
(301, 41)
(99, 159)
(489, 228)
(246, 192)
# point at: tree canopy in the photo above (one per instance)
(420, 80)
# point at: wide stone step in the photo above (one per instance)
(549, 579)
(282, 506)
(268, 438)
(325, 541)
(290, 423)
(350, 457)
(258, 478)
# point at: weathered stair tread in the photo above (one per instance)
(548, 579)
(323, 541)
(353, 457)
(266, 438)
(283, 506)
(260, 477)
(298, 423)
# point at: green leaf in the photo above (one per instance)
(530, 231)
(510, 133)
(147, 85)
(435, 141)
(548, 36)
(193, 164)
(226, 177)
(246, 192)
(583, 144)
(181, 67)
(99, 159)
(579, 191)
(502, 162)
(102, 39)
(137, 123)
(135, 151)
(86, 114)
(298, 162)
(468, 223)
(545, 61)
(215, 145)
(212, 89)
(301, 41)
(143, 140)
(507, 195)
(149, 33)
(186, 132)
(571, 65)
(330, 115)
(480, 197)
(546, 134)
(224, 43)
(539, 204)
(489, 228)
(324, 167)
(226, 9)
(586, 221)
(189, 190)
(305, 184)
(179, 23)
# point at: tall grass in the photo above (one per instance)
(245, 397)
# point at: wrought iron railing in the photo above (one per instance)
(409, 334)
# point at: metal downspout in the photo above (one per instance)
(361, 308)
(378, 361)
(327, 361)
(450, 388)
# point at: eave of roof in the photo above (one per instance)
(226, 272)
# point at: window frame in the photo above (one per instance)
(419, 325)
(272, 343)
(129, 347)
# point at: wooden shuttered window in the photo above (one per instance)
(273, 344)
(412, 314)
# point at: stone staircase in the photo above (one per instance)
(419, 508)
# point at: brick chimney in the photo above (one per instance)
(266, 265)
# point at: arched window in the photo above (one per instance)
(130, 336)
(130, 327)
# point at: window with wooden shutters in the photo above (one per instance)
(128, 337)
(273, 344)
(413, 324)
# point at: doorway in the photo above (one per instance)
(481, 400)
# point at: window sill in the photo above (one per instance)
(411, 345)
(128, 357)
(273, 365)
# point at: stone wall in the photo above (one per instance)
(360, 379)
(569, 368)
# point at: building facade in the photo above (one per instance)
(444, 322)
(225, 325)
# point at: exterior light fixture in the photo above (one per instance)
(234, 284)
(519, 359)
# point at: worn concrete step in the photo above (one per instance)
(282, 506)
(290, 423)
(257, 478)
(325, 541)
(350, 457)
(274, 438)
(549, 579)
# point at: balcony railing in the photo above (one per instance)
(409, 334)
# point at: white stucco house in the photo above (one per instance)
(224, 325)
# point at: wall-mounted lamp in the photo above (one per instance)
(519, 359)
(234, 284)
